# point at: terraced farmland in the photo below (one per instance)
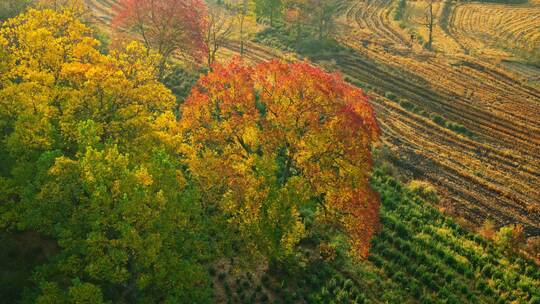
(479, 27)
(494, 174)
(371, 20)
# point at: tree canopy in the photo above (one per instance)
(266, 141)
(86, 163)
(139, 196)
(167, 26)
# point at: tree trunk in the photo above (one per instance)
(242, 38)
(430, 25)
(430, 40)
(321, 26)
(243, 16)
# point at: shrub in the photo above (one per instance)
(439, 120)
(265, 279)
(319, 48)
(487, 270)
(452, 300)
(180, 81)
(482, 286)
(460, 129)
(510, 238)
(415, 289)
(239, 290)
(399, 277)
(360, 299)
(448, 276)
(423, 189)
(407, 105)
(391, 96)
(227, 288)
(427, 300)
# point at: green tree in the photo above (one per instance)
(322, 14)
(270, 9)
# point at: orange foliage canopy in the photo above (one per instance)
(291, 125)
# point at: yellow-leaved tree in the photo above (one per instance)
(85, 160)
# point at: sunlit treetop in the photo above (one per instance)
(56, 77)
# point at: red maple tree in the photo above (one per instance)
(290, 125)
(167, 26)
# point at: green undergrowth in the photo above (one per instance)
(303, 42)
(180, 81)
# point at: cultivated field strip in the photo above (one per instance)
(101, 9)
(373, 20)
(439, 150)
(444, 100)
(480, 25)
(513, 177)
(416, 240)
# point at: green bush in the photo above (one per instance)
(319, 49)
(457, 128)
(227, 288)
(439, 120)
(407, 105)
(391, 96)
(424, 190)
